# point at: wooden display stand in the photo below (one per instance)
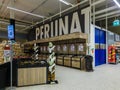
(70, 44)
(31, 76)
(31, 72)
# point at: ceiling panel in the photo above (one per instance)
(46, 8)
(26, 5)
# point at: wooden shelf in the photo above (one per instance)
(75, 35)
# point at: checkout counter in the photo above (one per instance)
(25, 72)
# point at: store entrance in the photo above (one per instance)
(100, 47)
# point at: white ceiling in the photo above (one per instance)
(48, 8)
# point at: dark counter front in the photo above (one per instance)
(7, 73)
(25, 72)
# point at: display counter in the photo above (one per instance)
(31, 72)
(25, 72)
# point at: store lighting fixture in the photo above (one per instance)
(15, 9)
(116, 2)
(65, 2)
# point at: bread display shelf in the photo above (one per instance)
(66, 47)
(75, 35)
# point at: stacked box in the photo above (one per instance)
(67, 60)
(76, 62)
(81, 48)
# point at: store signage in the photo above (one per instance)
(116, 22)
(77, 21)
(10, 32)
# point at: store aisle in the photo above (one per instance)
(105, 77)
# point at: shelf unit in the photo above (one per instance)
(113, 54)
(67, 47)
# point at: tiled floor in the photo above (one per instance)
(105, 77)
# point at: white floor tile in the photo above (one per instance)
(104, 77)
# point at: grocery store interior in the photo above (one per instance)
(59, 45)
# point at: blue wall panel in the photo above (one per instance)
(97, 57)
(100, 50)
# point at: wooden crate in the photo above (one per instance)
(60, 60)
(67, 60)
(76, 62)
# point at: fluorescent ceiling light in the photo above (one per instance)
(65, 2)
(117, 3)
(15, 9)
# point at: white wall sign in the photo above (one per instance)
(77, 21)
